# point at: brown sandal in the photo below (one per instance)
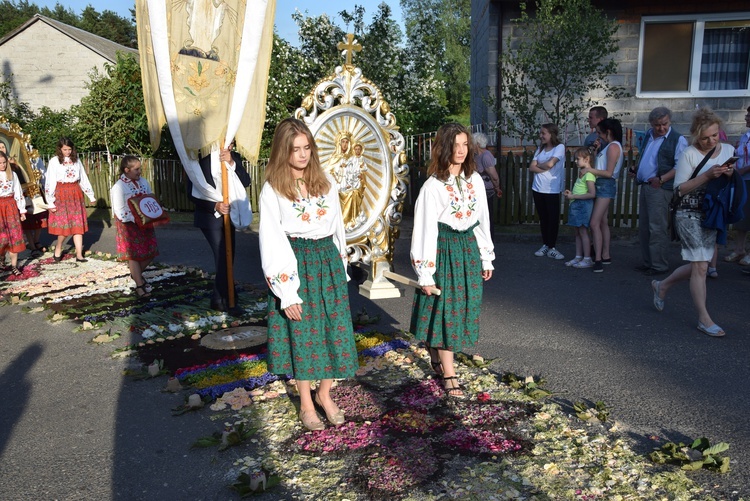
(15, 271)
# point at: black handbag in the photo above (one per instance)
(676, 201)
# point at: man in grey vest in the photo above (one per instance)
(662, 147)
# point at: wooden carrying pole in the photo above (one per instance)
(227, 234)
(408, 281)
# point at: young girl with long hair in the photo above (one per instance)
(548, 166)
(581, 205)
(303, 254)
(65, 185)
(135, 244)
(451, 249)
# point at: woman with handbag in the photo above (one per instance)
(699, 163)
(65, 185)
(136, 243)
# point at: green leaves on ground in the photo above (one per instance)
(599, 412)
(531, 386)
(229, 438)
(699, 455)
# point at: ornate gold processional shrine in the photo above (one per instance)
(23, 160)
(360, 146)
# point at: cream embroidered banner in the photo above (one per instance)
(204, 67)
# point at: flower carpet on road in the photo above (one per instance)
(98, 296)
(403, 438)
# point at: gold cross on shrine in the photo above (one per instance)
(349, 47)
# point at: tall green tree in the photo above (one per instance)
(438, 36)
(557, 67)
(112, 116)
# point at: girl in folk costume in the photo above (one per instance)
(33, 223)
(135, 244)
(12, 212)
(303, 254)
(451, 249)
(65, 185)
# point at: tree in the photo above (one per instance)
(411, 89)
(112, 116)
(557, 66)
(438, 34)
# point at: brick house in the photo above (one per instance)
(48, 62)
(680, 78)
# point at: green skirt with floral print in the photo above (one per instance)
(451, 320)
(321, 345)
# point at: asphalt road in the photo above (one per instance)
(72, 427)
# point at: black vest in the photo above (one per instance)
(665, 156)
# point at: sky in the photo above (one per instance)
(286, 27)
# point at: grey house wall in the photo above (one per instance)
(48, 68)
(493, 18)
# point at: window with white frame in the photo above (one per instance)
(702, 56)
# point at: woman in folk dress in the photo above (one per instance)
(135, 244)
(65, 185)
(451, 249)
(303, 253)
(12, 212)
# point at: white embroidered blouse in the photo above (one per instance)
(10, 186)
(121, 191)
(457, 202)
(311, 218)
(67, 172)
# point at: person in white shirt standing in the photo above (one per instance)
(65, 186)
(303, 255)
(548, 166)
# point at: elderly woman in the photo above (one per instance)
(485, 162)
(701, 162)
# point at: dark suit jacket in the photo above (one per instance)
(204, 209)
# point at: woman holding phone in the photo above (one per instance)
(698, 242)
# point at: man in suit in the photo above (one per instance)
(209, 217)
(654, 174)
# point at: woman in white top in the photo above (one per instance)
(12, 212)
(65, 186)
(135, 244)
(451, 250)
(548, 167)
(607, 171)
(698, 243)
(303, 254)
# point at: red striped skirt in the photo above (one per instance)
(11, 236)
(134, 242)
(70, 217)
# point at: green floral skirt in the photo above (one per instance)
(321, 345)
(451, 320)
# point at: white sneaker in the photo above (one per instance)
(554, 254)
(586, 263)
(574, 261)
(745, 261)
(542, 251)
